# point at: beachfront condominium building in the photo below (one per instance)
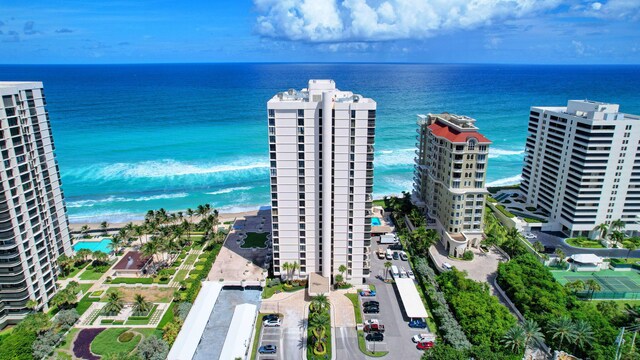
(449, 182)
(321, 150)
(33, 222)
(582, 166)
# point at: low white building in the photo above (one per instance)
(586, 262)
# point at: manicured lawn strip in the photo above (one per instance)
(181, 275)
(67, 342)
(379, 202)
(167, 317)
(191, 259)
(256, 337)
(132, 281)
(85, 303)
(141, 320)
(327, 355)
(585, 243)
(356, 306)
(504, 211)
(85, 287)
(254, 240)
(74, 271)
(107, 342)
(269, 291)
(90, 274)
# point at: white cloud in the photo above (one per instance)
(492, 42)
(615, 9)
(367, 20)
(578, 46)
(596, 6)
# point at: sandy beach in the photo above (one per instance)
(223, 217)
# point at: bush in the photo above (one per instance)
(504, 211)
(153, 348)
(183, 310)
(45, 343)
(125, 337)
(468, 255)
(66, 318)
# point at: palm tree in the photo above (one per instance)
(100, 256)
(633, 311)
(84, 254)
(31, 304)
(387, 266)
(416, 217)
(575, 286)
(560, 254)
(592, 286)
(617, 224)
(512, 233)
(320, 302)
(630, 246)
(150, 249)
(140, 304)
(514, 339)
(104, 226)
(320, 321)
(115, 243)
(83, 230)
(294, 266)
(65, 263)
(73, 286)
(532, 332)
(604, 229)
(342, 269)
(563, 329)
(616, 236)
(583, 334)
(138, 231)
(286, 267)
(114, 303)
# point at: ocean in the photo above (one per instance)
(130, 138)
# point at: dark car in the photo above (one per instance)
(395, 255)
(376, 336)
(267, 349)
(371, 303)
(549, 249)
(272, 317)
(371, 310)
(417, 323)
(396, 246)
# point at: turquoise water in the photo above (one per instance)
(130, 138)
(375, 221)
(102, 245)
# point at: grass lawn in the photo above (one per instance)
(141, 320)
(191, 259)
(107, 343)
(378, 202)
(67, 342)
(356, 306)
(255, 240)
(269, 291)
(124, 280)
(256, 338)
(585, 243)
(85, 287)
(167, 317)
(180, 275)
(84, 303)
(90, 274)
(74, 271)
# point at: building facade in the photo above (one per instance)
(449, 182)
(33, 223)
(582, 166)
(321, 151)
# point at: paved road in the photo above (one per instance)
(270, 336)
(552, 239)
(347, 344)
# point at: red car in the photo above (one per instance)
(424, 345)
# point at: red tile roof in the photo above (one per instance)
(454, 135)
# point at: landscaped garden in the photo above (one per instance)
(255, 240)
(583, 242)
(319, 330)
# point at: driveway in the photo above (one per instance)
(556, 240)
(270, 336)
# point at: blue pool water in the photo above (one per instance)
(375, 221)
(102, 245)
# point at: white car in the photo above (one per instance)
(411, 275)
(423, 337)
(446, 266)
(403, 273)
(271, 323)
(372, 322)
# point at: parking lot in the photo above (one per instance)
(271, 336)
(397, 335)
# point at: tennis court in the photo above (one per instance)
(609, 280)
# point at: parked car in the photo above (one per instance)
(424, 345)
(423, 337)
(446, 266)
(267, 349)
(395, 255)
(549, 249)
(411, 275)
(271, 317)
(367, 293)
(403, 256)
(271, 323)
(370, 303)
(376, 336)
(372, 321)
(396, 246)
(403, 273)
(371, 310)
(418, 323)
(373, 328)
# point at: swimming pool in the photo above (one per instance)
(376, 221)
(102, 245)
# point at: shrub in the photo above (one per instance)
(468, 255)
(125, 337)
(66, 318)
(152, 348)
(504, 211)
(45, 343)
(183, 310)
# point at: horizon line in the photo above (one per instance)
(319, 63)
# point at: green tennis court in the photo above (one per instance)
(609, 280)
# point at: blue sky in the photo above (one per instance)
(443, 31)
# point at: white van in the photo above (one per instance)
(389, 254)
(394, 271)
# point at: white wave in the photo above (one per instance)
(113, 199)
(163, 168)
(506, 181)
(495, 152)
(229, 190)
(397, 157)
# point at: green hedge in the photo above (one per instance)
(504, 211)
(194, 289)
(132, 281)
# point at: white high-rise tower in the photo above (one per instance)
(33, 222)
(321, 151)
